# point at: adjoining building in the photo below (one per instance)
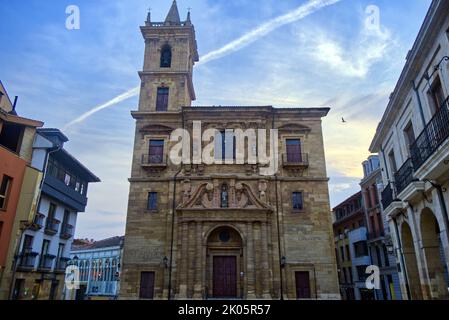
(412, 140)
(198, 231)
(53, 193)
(380, 244)
(19, 181)
(351, 248)
(99, 266)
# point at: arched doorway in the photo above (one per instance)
(411, 264)
(224, 263)
(434, 255)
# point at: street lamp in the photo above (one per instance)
(165, 261)
(283, 261)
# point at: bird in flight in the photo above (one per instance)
(343, 120)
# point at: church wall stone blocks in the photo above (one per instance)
(197, 231)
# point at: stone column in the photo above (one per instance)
(198, 285)
(250, 263)
(265, 264)
(184, 262)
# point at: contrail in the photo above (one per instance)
(235, 45)
(128, 94)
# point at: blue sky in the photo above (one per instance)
(326, 59)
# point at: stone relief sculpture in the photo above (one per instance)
(222, 196)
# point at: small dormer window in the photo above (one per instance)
(166, 57)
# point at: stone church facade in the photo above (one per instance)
(197, 231)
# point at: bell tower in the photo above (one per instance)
(170, 53)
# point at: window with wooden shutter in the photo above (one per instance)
(294, 150)
(156, 151)
(162, 99)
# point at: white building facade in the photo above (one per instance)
(413, 145)
(99, 266)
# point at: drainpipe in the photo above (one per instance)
(22, 230)
(278, 225)
(401, 254)
(173, 221)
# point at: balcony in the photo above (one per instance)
(52, 226)
(46, 262)
(387, 196)
(154, 161)
(295, 160)
(27, 259)
(404, 176)
(432, 137)
(57, 189)
(67, 231)
(38, 222)
(61, 264)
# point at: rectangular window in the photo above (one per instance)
(297, 199)
(44, 252)
(294, 151)
(393, 165)
(348, 254)
(152, 201)
(162, 99)
(5, 190)
(409, 134)
(342, 254)
(27, 243)
(360, 249)
(225, 146)
(156, 151)
(436, 95)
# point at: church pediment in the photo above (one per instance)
(156, 129)
(294, 128)
(210, 196)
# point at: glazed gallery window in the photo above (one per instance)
(166, 57)
(5, 190)
(162, 99)
(71, 180)
(152, 201)
(297, 201)
(294, 150)
(156, 153)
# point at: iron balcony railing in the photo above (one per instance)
(432, 137)
(27, 258)
(46, 261)
(295, 159)
(387, 196)
(52, 226)
(38, 222)
(67, 231)
(154, 160)
(62, 263)
(404, 176)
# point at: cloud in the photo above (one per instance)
(248, 38)
(354, 61)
